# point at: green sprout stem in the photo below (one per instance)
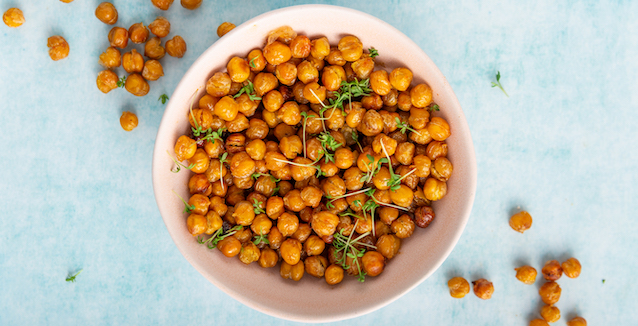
(188, 208)
(71, 278)
(179, 165)
(498, 83)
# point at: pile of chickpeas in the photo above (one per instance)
(268, 178)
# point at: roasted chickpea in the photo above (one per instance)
(176, 47)
(106, 13)
(538, 322)
(214, 222)
(153, 70)
(526, 274)
(384, 145)
(136, 85)
(436, 149)
(423, 165)
(334, 274)
(291, 251)
(320, 48)
(441, 169)
(314, 93)
(218, 85)
(138, 33)
(351, 48)
(200, 161)
(380, 83)
(133, 61)
(401, 78)
(316, 266)
(552, 270)
(289, 113)
(571, 267)
(421, 95)
(332, 76)
(300, 46)
(402, 196)
(162, 4)
(403, 227)
(249, 253)
(439, 129)
(118, 37)
(363, 67)
(550, 313)
(388, 245)
(292, 272)
(128, 121)
(434, 189)
(275, 238)
(185, 148)
(458, 286)
(111, 58)
(521, 221)
(423, 216)
(335, 58)
(483, 288)
(287, 223)
(268, 258)
(577, 321)
(324, 223)
(13, 17)
(314, 246)
(58, 47)
(196, 224)
(154, 49)
(106, 81)
(238, 69)
(405, 153)
(550, 292)
(373, 263)
(371, 123)
(226, 108)
(229, 247)
(224, 28)
(293, 201)
(160, 27)
(311, 196)
(192, 5)
(277, 53)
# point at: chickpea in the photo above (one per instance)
(287, 223)
(550, 292)
(277, 53)
(162, 4)
(160, 27)
(379, 82)
(229, 246)
(441, 169)
(402, 196)
(291, 146)
(483, 288)
(264, 82)
(58, 47)
(335, 58)
(292, 272)
(290, 113)
(423, 216)
(332, 76)
(552, 270)
(106, 13)
(192, 5)
(351, 48)
(215, 222)
(111, 58)
(550, 313)
(273, 100)
(256, 60)
(538, 322)
(153, 70)
(107, 81)
(118, 37)
(311, 196)
(154, 49)
(200, 161)
(138, 33)
(401, 78)
(258, 129)
(577, 321)
(286, 73)
(293, 201)
(320, 48)
(307, 73)
(421, 95)
(571, 267)
(423, 166)
(249, 253)
(521, 221)
(405, 153)
(185, 148)
(434, 189)
(363, 67)
(403, 227)
(13, 17)
(388, 245)
(196, 224)
(314, 246)
(439, 129)
(383, 144)
(176, 47)
(218, 85)
(371, 123)
(238, 69)
(459, 287)
(128, 121)
(436, 149)
(316, 266)
(268, 258)
(334, 274)
(291, 251)
(256, 149)
(373, 263)
(324, 223)
(226, 108)
(136, 85)
(314, 93)
(526, 274)
(132, 61)
(224, 28)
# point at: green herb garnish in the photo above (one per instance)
(346, 246)
(187, 208)
(328, 142)
(252, 63)
(218, 236)
(257, 207)
(71, 278)
(163, 98)
(213, 135)
(261, 238)
(434, 107)
(403, 126)
(120, 83)
(249, 89)
(498, 83)
(372, 169)
(256, 175)
(179, 165)
(373, 52)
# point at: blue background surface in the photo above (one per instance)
(76, 189)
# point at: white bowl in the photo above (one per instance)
(311, 299)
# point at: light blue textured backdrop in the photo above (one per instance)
(76, 189)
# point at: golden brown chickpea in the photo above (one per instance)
(344, 158)
(118, 37)
(363, 67)
(200, 161)
(277, 53)
(571, 267)
(241, 165)
(128, 121)
(521, 221)
(196, 224)
(391, 99)
(107, 81)
(256, 149)
(291, 146)
(314, 246)
(224, 28)
(153, 70)
(287, 223)
(160, 27)
(419, 118)
(256, 60)
(136, 85)
(402, 196)
(265, 82)
(218, 85)
(176, 47)
(388, 245)
(13, 17)
(526, 274)
(459, 287)
(226, 108)
(133, 61)
(421, 137)
(154, 49)
(316, 266)
(372, 102)
(405, 153)
(439, 129)
(373, 263)
(334, 274)
(436, 149)
(258, 129)
(335, 58)
(292, 272)
(229, 247)
(239, 124)
(483, 288)
(332, 76)
(307, 73)
(273, 100)
(324, 223)
(380, 83)
(422, 164)
(289, 113)
(421, 95)
(275, 238)
(538, 322)
(577, 321)
(218, 205)
(58, 47)
(111, 58)
(441, 169)
(286, 73)
(138, 33)
(215, 222)
(423, 216)
(434, 189)
(192, 5)
(550, 292)
(185, 148)
(384, 145)
(162, 4)
(238, 69)
(403, 227)
(320, 48)
(198, 184)
(302, 233)
(106, 13)
(552, 270)
(268, 258)
(199, 204)
(311, 196)
(249, 253)
(401, 78)
(371, 123)
(300, 46)
(293, 201)
(550, 313)
(291, 251)
(244, 213)
(314, 93)
(351, 48)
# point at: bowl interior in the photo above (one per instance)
(311, 299)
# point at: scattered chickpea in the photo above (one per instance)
(191, 4)
(136, 85)
(154, 49)
(571, 267)
(538, 322)
(58, 47)
(138, 33)
(176, 47)
(577, 321)
(459, 287)
(526, 274)
(550, 313)
(160, 27)
(162, 4)
(128, 121)
(107, 81)
(550, 292)
(334, 274)
(118, 37)
(552, 270)
(521, 221)
(106, 13)
(152, 70)
(132, 61)
(13, 17)
(483, 288)
(111, 58)
(224, 28)
(67, 1)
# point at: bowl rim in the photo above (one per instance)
(471, 166)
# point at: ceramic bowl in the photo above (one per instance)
(311, 299)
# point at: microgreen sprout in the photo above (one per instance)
(350, 90)
(355, 137)
(120, 83)
(371, 168)
(252, 63)
(249, 89)
(328, 142)
(403, 126)
(498, 83)
(309, 165)
(331, 199)
(218, 236)
(434, 107)
(197, 130)
(346, 246)
(256, 176)
(71, 278)
(179, 165)
(223, 159)
(213, 135)
(395, 179)
(257, 207)
(163, 98)
(261, 238)
(373, 52)
(187, 208)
